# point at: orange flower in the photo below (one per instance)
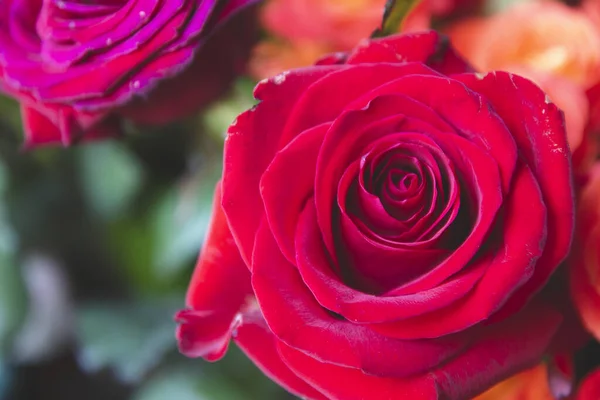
(304, 30)
(338, 24)
(529, 385)
(544, 36)
(545, 381)
(585, 264)
(556, 46)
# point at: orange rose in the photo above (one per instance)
(304, 30)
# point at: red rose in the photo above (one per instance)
(589, 388)
(397, 213)
(77, 67)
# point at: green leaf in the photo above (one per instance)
(394, 15)
(110, 176)
(131, 240)
(129, 338)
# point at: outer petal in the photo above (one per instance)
(502, 351)
(284, 198)
(431, 48)
(590, 387)
(220, 287)
(328, 97)
(39, 129)
(339, 383)
(539, 130)
(505, 349)
(250, 145)
(51, 124)
(258, 342)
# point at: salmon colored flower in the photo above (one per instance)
(544, 36)
(305, 30)
(340, 24)
(546, 381)
(529, 385)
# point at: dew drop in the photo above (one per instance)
(279, 79)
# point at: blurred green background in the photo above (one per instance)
(97, 245)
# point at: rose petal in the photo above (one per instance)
(516, 344)
(325, 100)
(257, 341)
(298, 320)
(260, 130)
(590, 387)
(509, 266)
(357, 306)
(218, 290)
(538, 128)
(285, 188)
(431, 48)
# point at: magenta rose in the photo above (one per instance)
(76, 66)
(386, 220)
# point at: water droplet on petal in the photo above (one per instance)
(279, 79)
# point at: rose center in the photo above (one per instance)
(403, 181)
(404, 197)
